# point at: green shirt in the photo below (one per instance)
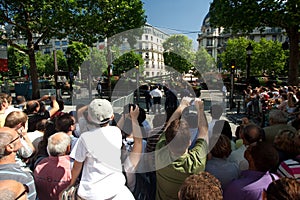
(171, 173)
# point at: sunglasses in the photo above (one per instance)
(26, 190)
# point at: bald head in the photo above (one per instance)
(8, 137)
(11, 189)
(58, 144)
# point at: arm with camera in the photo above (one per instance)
(137, 149)
(185, 102)
(202, 121)
(55, 106)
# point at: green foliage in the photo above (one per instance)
(78, 53)
(126, 62)
(97, 61)
(204, 62)
(245, 15)
(16, 60)
(179, 53)
(267, 56)
(61, 63)
(87, 21)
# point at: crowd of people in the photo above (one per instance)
(93, 153)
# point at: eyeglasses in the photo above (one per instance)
(19, 136)
(26, 190)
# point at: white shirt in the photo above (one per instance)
(237, 156)
(156, 93)
(102, 177)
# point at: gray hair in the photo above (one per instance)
(58, 144)
(5, 138)
(278, 117)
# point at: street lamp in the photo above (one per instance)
(137, 64)
(249, 50)
(68, 56)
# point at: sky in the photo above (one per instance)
(183, 15)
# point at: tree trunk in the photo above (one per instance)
(33, 74)
(293, 35)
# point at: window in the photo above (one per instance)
(146, 37)
(57, 43)
(64, 43)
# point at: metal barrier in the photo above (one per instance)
(119, 103)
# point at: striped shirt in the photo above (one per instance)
(289, 168)
(13, 171)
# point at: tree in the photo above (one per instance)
(179, 53)
(49, 63)
(267, 56)
(245, 15)
(204, 62)
(127, 61)
(16, 60)
(78, 52)
(87, 21)
(97, 61)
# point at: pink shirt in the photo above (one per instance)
(51, 176)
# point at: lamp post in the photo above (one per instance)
(69, 55)
(137, 64)
(249, 50)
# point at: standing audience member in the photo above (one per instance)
(84, 122)
(66, 123)
(9, 170)
(156, 95)
(18, 121)
(3, 107)
(278, 121)
(41, 151)
(60, 111)
(216, 113)
(99, 88)
(36, 136)
(251, 134)
(35, 114)
(261, 158)
(53, 174)
(174, 162)
(132, 153)
(218, 165)
(148, 99)
(171, 102)
(11, 189)
(99, 151)
(291, 167)
(283, 188)
(201, 186)
(20, 102)
(285, 144)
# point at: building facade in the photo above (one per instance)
(150, 47)
(214, 39)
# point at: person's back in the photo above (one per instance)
(174, 162)
(97, 155)
(261, 157)
(53, 174)
(278, 121)
(250, 134)
(224, 170)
